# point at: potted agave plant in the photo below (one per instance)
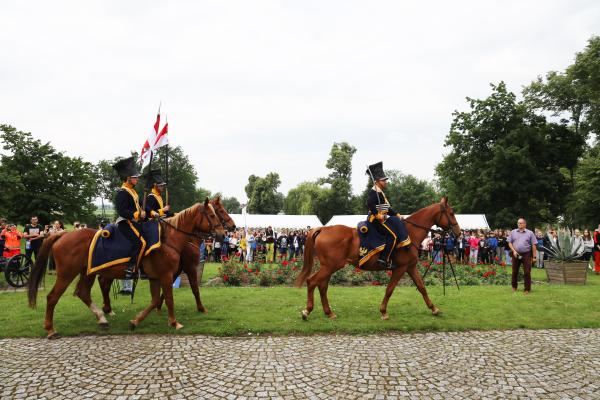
(564, 260)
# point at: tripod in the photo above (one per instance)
(445, 258)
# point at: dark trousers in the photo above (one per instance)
(136, 244)
(33, 250)
(516, 264)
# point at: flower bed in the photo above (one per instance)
(234, 273)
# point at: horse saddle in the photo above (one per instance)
(375, 238)
(110, 247)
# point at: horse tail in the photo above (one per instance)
(308, 257)
(39, 268)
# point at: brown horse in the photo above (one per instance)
(71, 250)
(190, 257)
(338, 245)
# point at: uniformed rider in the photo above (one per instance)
(155, 205)
(129, 210)
(381, 213)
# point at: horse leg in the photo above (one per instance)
(167, 289)
(63, 280)
(396, 275)
(83, 291)
(416, 277)
(193, 279)
(311, 284)
(155, 292)
(105, 285)
(323, 286)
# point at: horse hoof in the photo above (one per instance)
(436, 311)
(385, 317)
(158, 310)
(332, 316)
(177, 326)
(203, 311)
(305, 315)
(53, 336)
(103, 325)
(112, 313)
(132, 325)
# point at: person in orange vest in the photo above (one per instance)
(12, 241)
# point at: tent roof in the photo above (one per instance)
(276, 220)
(466, 221)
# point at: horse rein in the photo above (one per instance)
(443, 210)
(194, 234)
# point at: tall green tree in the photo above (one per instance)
(39, 180)
(584, 206)
(505, 161)
(337, 199)
(573, 93)
(304, 199)
(263, 197)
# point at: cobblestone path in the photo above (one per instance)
(543, 364)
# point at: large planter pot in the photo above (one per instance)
(199, 270)
(573, 272)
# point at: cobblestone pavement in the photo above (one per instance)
(544, 364)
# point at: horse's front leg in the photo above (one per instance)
(167, 289)
(155, 292)
(416, 277)
(105, 284)
(396, 275)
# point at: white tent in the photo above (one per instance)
(466, 221)
(276, 221)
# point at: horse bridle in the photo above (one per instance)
(204, 214)
(443, 210)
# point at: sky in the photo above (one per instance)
(252, 87)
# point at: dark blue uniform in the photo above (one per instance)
(128, 208)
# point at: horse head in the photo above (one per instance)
(445, 217)
(208, 221)
(224, 217)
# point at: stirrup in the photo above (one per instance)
(383, 263)
(130, 272)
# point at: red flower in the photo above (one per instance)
(293, 260)
(376, 283)
(284, 263)
(389, 273)
(293, 268)
(225, 277)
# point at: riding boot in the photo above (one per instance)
(130, 272)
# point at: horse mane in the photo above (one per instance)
(183, 215)
(418, 213)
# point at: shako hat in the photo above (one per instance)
(127, 168)
(155, 178)
(376, 171)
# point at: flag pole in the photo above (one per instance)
(148, 177)
(167, 169)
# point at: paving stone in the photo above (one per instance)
(542, 364)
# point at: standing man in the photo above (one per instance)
(597, 250)
(522, 243)
(33, 234)
(128, 208)
(155, 206)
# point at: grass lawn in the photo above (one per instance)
(276, 310)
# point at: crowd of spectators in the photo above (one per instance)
(257, 244)
(491, 247)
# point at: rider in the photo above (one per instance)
(155, 206)
(129, 210)
(383, 216)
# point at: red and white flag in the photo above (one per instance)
(148, 146)
(162, 138)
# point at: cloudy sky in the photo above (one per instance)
(251, 87)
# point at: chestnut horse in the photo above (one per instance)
(338, 245)
(190, 257)
(71, 250)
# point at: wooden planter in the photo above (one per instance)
(573, 272)
(184, 278)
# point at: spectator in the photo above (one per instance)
(449, 247)
(34, 235)
(492, 243)
(12, 241)
(473, 248)
(577, 241)
(522, 243)
(2, 228)
(270, 243)
(251, 244)
(540, 248)
(500, 250)
(282, 245)
(588, 244)
(217, 250)
(243, 245)
(507, 253)
(438, 246)
(597, 251)
(482, 250)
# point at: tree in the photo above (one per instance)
(263, 197)
(232, 205)
(304, 199)
(574, 93)
(505, 161)
(182, 177)
(583, 205)
(337, 199)
(38, 180)
(202, 193)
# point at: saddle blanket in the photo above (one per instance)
(374, 239)
(110, 247)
